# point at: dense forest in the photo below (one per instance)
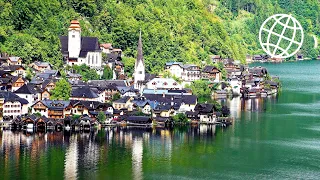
(243, 19)
(172, 30)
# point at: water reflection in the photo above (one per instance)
(71, 159)
(137, 154)
(121, 151)
(238, 105)
(114, 152)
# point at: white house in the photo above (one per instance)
(13, 104)
(187, 72)
(191, 72)
(175, 68)
(28, 92)
(12, 108)
(184, 107)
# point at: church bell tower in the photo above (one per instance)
(139, 67)
(74, 39)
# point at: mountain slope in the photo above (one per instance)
(244, 18)
(179, 30)
(174, 30)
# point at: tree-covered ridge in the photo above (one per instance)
(178, 30)
(244, 18)
(172, 30)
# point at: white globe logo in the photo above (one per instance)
(281, 36)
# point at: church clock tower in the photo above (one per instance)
(74, 39)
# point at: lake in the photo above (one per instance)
(271, 138)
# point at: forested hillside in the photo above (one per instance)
(243, 19)
(179, 30)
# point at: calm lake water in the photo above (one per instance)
(272, 138)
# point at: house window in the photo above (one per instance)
(73, 36)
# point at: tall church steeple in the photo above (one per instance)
(139, 67)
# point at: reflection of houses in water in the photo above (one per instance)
(235, 107)
(83, 151)
(166, 137)
(89, 153)
(71, 159)
(238, 104)
(256, 104)
(137, 158)
(167, 142)
(207, 130)
(11, 143)
(109, 134)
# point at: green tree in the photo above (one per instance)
(107, 73)
(62, 90)
(129, 65)
(180, 118)
(101, 117)
(167, 74)
(86, 72)
(37, 114)
(75, 117)
(29, 74)
(116, 96)
(178, 80)
(201, 89)
(140, 113)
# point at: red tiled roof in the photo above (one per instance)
(106, 46)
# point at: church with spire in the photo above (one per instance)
(140, 75)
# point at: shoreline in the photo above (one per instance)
(222, 121)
